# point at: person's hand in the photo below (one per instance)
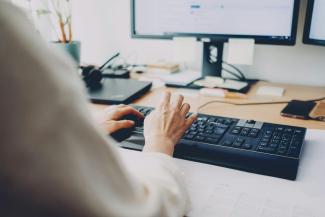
(110, 117)
(165, 126)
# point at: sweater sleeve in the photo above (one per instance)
(54, 160)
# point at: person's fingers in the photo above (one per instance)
(165, 100)
(178, 101)
(127, 110)
(189, 121)
(185, 109)
(118, 125)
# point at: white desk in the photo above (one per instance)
(221, 192)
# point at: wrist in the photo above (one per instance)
(160, 144)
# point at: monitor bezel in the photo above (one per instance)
(224, 38)
(308, 21)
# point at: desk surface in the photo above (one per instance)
(217, 191)
(266, 113)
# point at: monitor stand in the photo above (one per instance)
(212, 66)
(212, 59)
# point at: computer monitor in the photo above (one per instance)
(266, 21)
(314, 25)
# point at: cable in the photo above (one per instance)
(252, 103)
(237, 69)
(108, 61)
(233, 74)
(315, 100)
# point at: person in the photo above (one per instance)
(54, 158)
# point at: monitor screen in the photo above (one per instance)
(315, 25)
(265, 20)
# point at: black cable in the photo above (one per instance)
(108, 61)
(237, 69)
(253, 103)
(233, 74)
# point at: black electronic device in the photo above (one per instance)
(117, 91)
(298, 109)
(314, 32)
(214, 22)
(247, 145)
(116, 73)
(92, 76)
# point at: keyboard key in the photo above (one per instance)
(238, 142)
(209, 132)
(205, 135)
(273, 145)
(253, 134)
(202, 127)
(251, 122)
(199, 138)
(219, 131)
(288, 130)
(235, 132)
(263, 144)
(227, 143)
(265, 140)
(192, 132)
(221, 121)
(266, 149)
(285, 143)
(228, 122)
(219, 125)
(300, 132)
(245, 132)
(276, 137)
(269, 132)
(275, 141)
(202, 119)
(293, 152)
(210, 128)
(190, 137)
(279, 129)
(212, 141)
(286, 137)
(247, 146)
(282, 151)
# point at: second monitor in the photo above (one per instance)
(265, 21)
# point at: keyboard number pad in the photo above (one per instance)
(281, 141)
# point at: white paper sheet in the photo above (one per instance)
(221, 192)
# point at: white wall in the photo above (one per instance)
(103, 26)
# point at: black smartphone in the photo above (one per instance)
(298, 109)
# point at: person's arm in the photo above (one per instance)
(54, 161)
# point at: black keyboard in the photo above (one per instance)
(247, 145)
